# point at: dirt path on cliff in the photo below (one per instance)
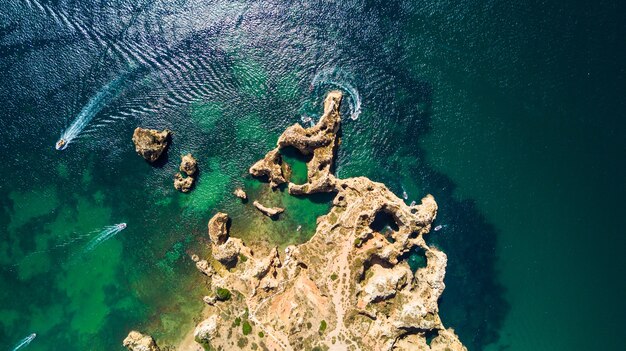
(341, 266)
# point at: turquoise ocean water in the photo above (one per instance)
(510, 114)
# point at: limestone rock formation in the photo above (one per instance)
(225, 249)
(268, 211)
(183, 184)
(188, 165)
(218, 228)
(135, 341)
(350, 286)
(240, 193)
(269, 167)
(206, 330)
(320, 141)
(150, 143)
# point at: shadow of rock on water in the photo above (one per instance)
(473, 302)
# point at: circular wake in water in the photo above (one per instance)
(340, 79)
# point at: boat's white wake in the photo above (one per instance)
(24, 342)
(338, 78)
(107, 233)
(95, 105)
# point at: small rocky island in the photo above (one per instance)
(349, 287)
(184, 180)
(150, 143)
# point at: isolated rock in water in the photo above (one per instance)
(240, 194)
(135, 341)
(150, 143)
(183, 184)
(268, 211)
(188, 165)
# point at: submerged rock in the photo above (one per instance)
(188, 165)
(183, 184)
(135, 341)
(150, 143)
(240, 193)
(268, 211)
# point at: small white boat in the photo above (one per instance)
(24, 342)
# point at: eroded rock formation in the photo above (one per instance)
(225, 249)
(188, 165)
(184, 180)
(319, 141)
(135, 341)
(268, 211)
(240, 193)
(183, 184)
(349, 287)
(150, 143)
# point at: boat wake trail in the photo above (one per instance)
(106, 234)
(338, 78)
(24, 342)
(95, 105)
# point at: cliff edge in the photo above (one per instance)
(350, 287)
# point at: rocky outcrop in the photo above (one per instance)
(135, 341)
(184, 180)
(206, 331)
(183, 184)
(225, 249)
(270, 167)
(150, 143)
(350, 286)
(188, 165)
(218, 228)
(320, 141)
(268, 211)
(240, 193)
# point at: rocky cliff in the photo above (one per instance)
(349, 287)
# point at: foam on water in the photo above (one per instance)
(338, 78)
(24, 342)
(106, 234)
(93, 107)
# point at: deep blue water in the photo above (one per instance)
(510, 114)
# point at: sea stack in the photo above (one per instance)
(188, 167)
(150, 143)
